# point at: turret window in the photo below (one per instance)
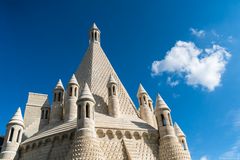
(87, 110)
(144, 98)
(114, 90)
(46, 114)
(75, 92)
(11, 134)
(184, 145)
(18, 136)
(79, 111)
(92, 36)
(109, 92)
(163, 120)
(55, 97)
(169, 118)
(95, 36)
(42, 114)
(140, 100)
(59, 96)
(70, 91)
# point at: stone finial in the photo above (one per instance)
(141, 90)
(94, 26)
(178, 130)
(73, 80)
(86, 94)
(17, 118)
(59, 85)
(112, 80)
(160, 103)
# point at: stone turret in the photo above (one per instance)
(181, 136)
(113, 101)
(57, 106)
(94, 34)
(86, 144)
(13, 136)
(169, 146)
(45, 115)
(70, 107)
(146, 113)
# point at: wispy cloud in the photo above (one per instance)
(172, 82)
(199, 67)
(198, 33)
(233, 153)
(204, 158)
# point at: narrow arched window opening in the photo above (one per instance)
(18, 135)
(95, 36)
(70, 91)
(163, 120)
(42, 114)
(79, 111)
(87, 110)
(11, 134)
(170, 121)
(75, 92)
(46, 114)
(59, 96)
(109, 92)
(184, 145)
(114, 90)
(144, 98)
(55, 97)
(92, 36)
(140, 100)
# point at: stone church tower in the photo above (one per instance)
(94, 118)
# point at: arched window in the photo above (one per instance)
(55, 97)
(79, 111)
(109, 91)
(144, 98)
(11, 134)
(114, 90)
(163, 120)
(70, 91)
(42, 114)
(75, 92)
(59, 96)
(87, 110)
(140, 100)
(170, 121)
(18, 136)
(184, 145)
(92, 36)
(95, 36)
(46, 114)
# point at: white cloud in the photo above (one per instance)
(199, 67)
(233, 153)
(171, 82)
(198, 33)
(204, 158)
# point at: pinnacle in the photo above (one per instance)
(160, 103)
(59, 85)
(112, 80)
(86, 94)
(178, 130)
(73, 80)
(17, 118)
(94, 26)
(141, 90)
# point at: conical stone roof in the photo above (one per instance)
(141, 90)
(17, 118)
(59, 85)
(178, 130)
(73, 80)
(95, 69)
(86, 94)
(160, 103)
(112, 80)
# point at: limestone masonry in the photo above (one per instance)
(94, 118)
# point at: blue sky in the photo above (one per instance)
(42, 41)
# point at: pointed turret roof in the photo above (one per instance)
(59, 85)
(178, 130)
(86, 94)
(95, 69)
(141, 90)
(73, 80)
(160, 103)
(94, 26)
(112, 80)
(17, 118)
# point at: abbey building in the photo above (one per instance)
(94, 118)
